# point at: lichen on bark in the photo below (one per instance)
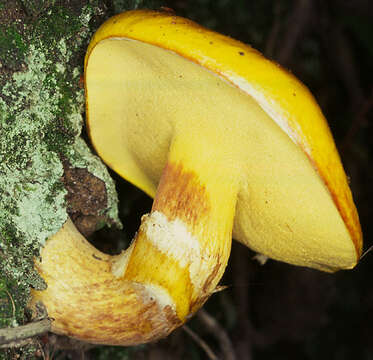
(42, 45)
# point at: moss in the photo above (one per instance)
(6, 305)
(41, 107)
(28, 352)
(58, 19)
(12, 45)
(122, 5)
(34, 7)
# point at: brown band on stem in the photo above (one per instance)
(182, 198)
(181, 195)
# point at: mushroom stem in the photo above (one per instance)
(173, 265)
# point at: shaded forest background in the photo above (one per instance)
(277, 311)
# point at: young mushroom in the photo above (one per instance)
(226, 142)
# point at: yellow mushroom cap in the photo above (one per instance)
(151, 76)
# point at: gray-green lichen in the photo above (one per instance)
(41, 106)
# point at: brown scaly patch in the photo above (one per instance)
(181, 195)
(135, 323)
(169, 313)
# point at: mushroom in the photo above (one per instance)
(227, 142)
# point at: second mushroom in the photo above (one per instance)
(228, 144)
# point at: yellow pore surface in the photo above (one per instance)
(294, 203)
